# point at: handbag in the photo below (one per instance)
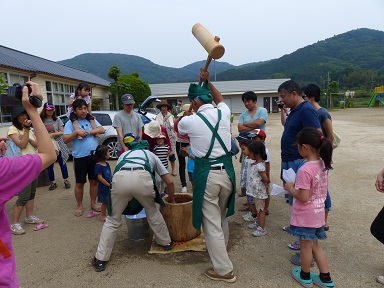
(336, 139)
(56, 146)
(12, 149)
(184, 151)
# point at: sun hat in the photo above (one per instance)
(183, 109)
(127, 99)
(16, 111)
(163, 103)
(152, 129)
(49, 106)
(160, 136)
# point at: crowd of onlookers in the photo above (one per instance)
(306, 150)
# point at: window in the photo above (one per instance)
(5, 111)
(58, 94)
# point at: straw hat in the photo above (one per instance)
(152, 129)
(183, 109)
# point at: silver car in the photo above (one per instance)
(105, 118)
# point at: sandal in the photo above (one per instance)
(93, 214)
(79, 212)
(40, 226)
(285, 228)
(294, 246)
(96, 209)
(295, 260)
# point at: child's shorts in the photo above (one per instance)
(190, 176)
(305, 233)
(172, 158)
(250, 200)
(260, 204)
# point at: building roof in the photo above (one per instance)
(19, 60)
(225, 87)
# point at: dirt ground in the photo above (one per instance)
(60, 256)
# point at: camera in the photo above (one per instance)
(280, 104)
(16, 92)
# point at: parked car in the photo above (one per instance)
(105, 118)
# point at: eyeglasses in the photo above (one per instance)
(304, 96)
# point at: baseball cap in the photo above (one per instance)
(49, 106)
(127, 99)
(243, 137)
(258, 132)
(130, 137)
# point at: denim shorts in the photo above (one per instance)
(305, 233)
(172, 158)
(250, 200)
(190, 176)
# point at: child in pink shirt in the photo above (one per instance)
(307, 218)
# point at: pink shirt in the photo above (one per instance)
(313, 177)
(180, 138)
(14, 178)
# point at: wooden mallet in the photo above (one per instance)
(210, 43)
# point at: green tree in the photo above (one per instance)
(137, 87)
(332, 91)
(3, 83)
(114, 74)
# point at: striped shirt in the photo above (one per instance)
(162, 153)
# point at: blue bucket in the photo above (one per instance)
(137, 225)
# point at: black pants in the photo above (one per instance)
(181, 162)
(377, 227)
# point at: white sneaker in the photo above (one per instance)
(33, 220)
(380, 279)
(259, 232)
(254, 225)
(17, 229)
(248, 217)
(184, 189)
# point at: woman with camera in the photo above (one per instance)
(19, 172)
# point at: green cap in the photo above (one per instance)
(195, 90)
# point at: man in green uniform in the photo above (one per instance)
(213, 199)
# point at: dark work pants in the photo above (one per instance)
(181, 162)
(377, 227)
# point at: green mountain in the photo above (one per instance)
(352, 58)
(358, 51)
(99, 64)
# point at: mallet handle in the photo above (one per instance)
(209, 59)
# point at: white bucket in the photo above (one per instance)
(138, 228)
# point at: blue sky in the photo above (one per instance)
(250, 30)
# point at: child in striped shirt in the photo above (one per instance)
(162, 151)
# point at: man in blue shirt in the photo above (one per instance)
(81, 151)
(302, 115)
